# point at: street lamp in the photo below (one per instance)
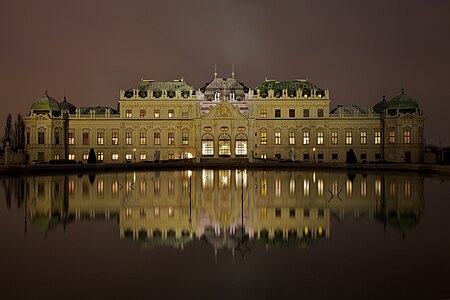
(134, 154)
(314, 153)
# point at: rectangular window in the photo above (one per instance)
(171, 138)
(291, 138)
(86, 138)
(157, 138)
(377, 156)
(143, 156)
(143, 138)
(377, 140)
(56, 137)
(85, 156)
(28, 138)
(407, 136)
(128, 113)
(334, 156)
(115, 156)
(71, 156)
(171, 156)
(363, 156)
(306, 113)
(142, 113)
(171, 113)
(100, 138)
(292, 113)
(185, 114)
(100, 156)
(420, 136)
(156, 113)
(128, 156)
(305, 138)
(348, 138)
(115, 138)
(320, 138)
(391, 137)
(277, 138)
(263, 138)
(263, 113)
(185, 138)
(320, 113)
(128, 138)
(334, 138)
(277, 113)
(363, 137)
(306, 156)
(71, 138)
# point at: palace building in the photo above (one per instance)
(281, 120)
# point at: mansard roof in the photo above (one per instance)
(346, 110)
(175, 85)
(64, 105)
(294, 85)
(220, 83)
(98, 110)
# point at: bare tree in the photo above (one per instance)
(8, 130)
(18, 139)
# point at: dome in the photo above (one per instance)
(45, 103)
(67, 106)
(403, 103)
(380, 106)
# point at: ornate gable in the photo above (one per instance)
(224, 110)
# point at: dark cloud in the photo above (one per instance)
(91, 49)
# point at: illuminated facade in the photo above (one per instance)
(172, 208)
(285, 120)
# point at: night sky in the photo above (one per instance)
(89, 50)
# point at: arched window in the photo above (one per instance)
(207, 145)
(241, 145)
(224, 145)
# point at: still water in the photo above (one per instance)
(219, 234)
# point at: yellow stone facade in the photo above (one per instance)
(288, 120)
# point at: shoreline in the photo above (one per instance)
(46, 169)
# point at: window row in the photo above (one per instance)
(156, 113)
(278, 114)
(129, 138)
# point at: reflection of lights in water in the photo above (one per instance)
(128, 212)
(171, 212)
(224, 180)
(143, 186)
(156, 211)
(263, 187)
(392, 188)
(334, 187)
(278, 187)
(314, 176)
(306, 187)
(408, 188)
(208, 178)
(320, 187)
(378, 187)
(71, 186)
(263, 213)
(134, 175)
(363, 188)
(292, 186)
(349, 187)
(100, 186)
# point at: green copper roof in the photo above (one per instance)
(287, 85)
(176, 85)
(402, 102)
(45, 103)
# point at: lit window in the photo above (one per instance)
(263, 137)
(185, 114)
(114, 138)
(143, 156)
(377, 137)
(156, 113)
(142, 113)
(305, 138)
(128, 113)
(100, 156)
(391, 137)
(334, 138)
(277, 138)
(348, 138)
(291, 138)
(407, 136)
(85, 156)
(241, 145)
(143, 138)
(71, 138)
(128, 156)
(100, 138)
(71, 156)
(157, 138)
(171, 138)
(185, 137)
(263, 155)
(171, 113)
(363, 137)
(115, 156)
(277, 113)
(86, 138)
(207, 145)
(171, 156)
(263, 113)
(320, 138)
(128, 138)
(292, 113)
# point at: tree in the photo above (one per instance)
(18, 134)
(92, 159)
(8, 130)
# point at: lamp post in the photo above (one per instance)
(314, 153)
(134, 154)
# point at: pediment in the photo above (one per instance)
(41, 117)
(224, 110)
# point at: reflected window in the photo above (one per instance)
(143, 187)
(363, 188)
(392, 188)
(208, 179)
(171, 186)
(292, 213)
(171, 212)
(115, 187)
(278, 187)
(292, 186)
(378, 187)
(278, 212)
(319, 187)
(263, 213)
(128, 212)
(306, 187)
(407, 188)
(100, 187)
(263, 187)
(349, 187)
(156, 213)
(156, 186)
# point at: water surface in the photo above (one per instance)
(225, 234)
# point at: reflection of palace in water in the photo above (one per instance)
(175, 207)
